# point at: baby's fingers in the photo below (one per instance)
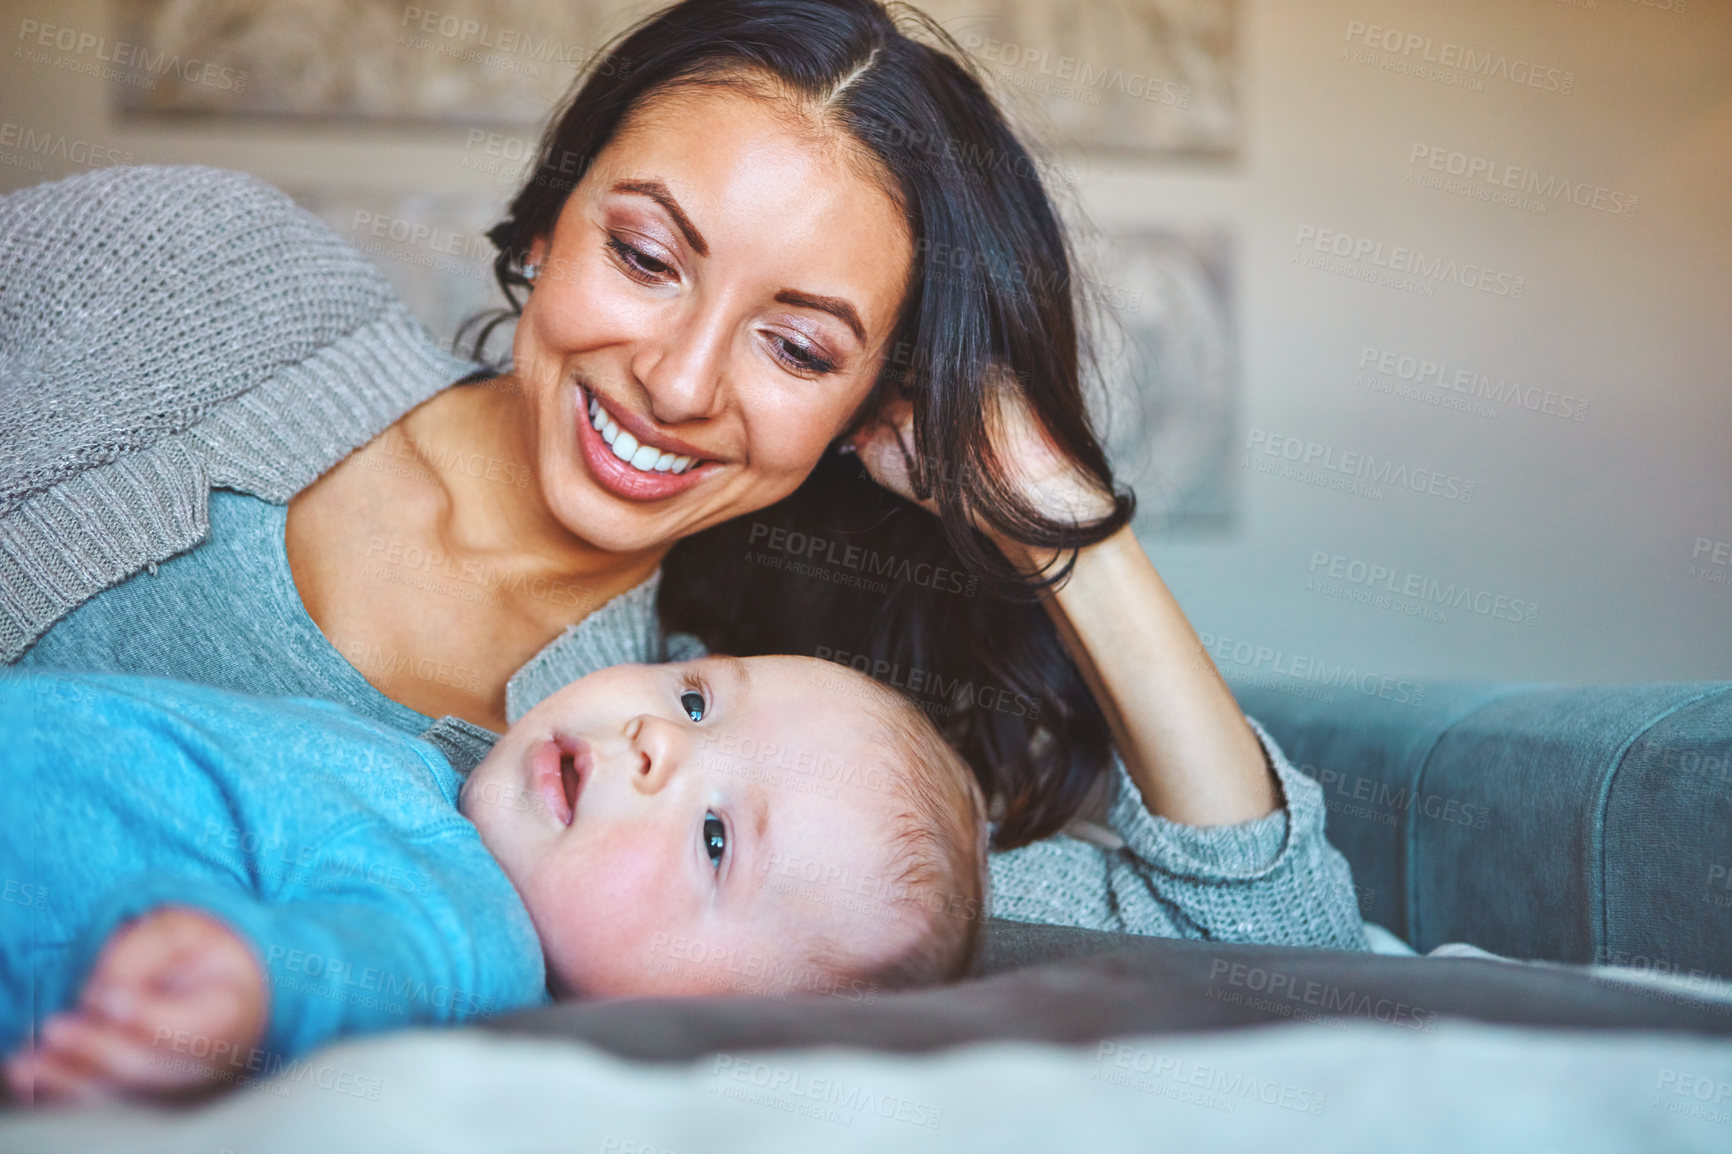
(35, 1077)
(104, 1059)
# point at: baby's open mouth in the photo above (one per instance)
(570, 782)
(575, 766)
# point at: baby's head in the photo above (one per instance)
(768, 824)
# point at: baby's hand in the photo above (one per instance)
(172, 975)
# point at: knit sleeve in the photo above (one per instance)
(163, 332)
(1274, 880)
(135, 300)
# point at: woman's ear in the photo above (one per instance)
(885, 444)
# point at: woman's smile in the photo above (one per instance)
(632, 461)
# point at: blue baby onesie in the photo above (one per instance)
(332, 844)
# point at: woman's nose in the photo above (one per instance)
(681, 373)
(659, 749)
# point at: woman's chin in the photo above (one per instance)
(606, 522)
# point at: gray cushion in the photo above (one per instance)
(1113, 985)
(1567, 823)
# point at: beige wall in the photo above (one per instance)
(1593, 523)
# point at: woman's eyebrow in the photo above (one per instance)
(658, 192)
(835, 306)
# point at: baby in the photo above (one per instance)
(201, 885)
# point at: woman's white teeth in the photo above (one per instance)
(645, 458)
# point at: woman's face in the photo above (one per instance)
(717, 295)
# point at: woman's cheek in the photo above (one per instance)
(795, 426)
(575, 309)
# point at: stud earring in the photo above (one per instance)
(530, 268)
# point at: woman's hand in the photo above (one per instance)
(171, 985)
(1049, 482)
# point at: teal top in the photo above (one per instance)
(227, 614)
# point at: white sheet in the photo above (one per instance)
(1292, 1089)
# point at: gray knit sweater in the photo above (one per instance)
(166, 331)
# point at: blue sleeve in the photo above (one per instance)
(386, 935)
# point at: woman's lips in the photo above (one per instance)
(620, 478)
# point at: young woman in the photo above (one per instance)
(796, 369)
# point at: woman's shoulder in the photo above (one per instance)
(136, 302)
(164, 331)
(165, 255)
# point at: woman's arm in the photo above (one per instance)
(1182, 737)
(1214, 834)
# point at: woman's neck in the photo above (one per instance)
(479, 442)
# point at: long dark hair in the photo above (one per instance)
(841, 568)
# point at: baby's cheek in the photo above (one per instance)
(603, 915)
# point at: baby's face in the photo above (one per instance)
(687, 828)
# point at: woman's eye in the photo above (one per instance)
(693, 703)
(798, 357)
(638, 263)
(715, 838)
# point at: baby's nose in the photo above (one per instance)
(657, 752)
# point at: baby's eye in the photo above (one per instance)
(694, 704)
(715, 838)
